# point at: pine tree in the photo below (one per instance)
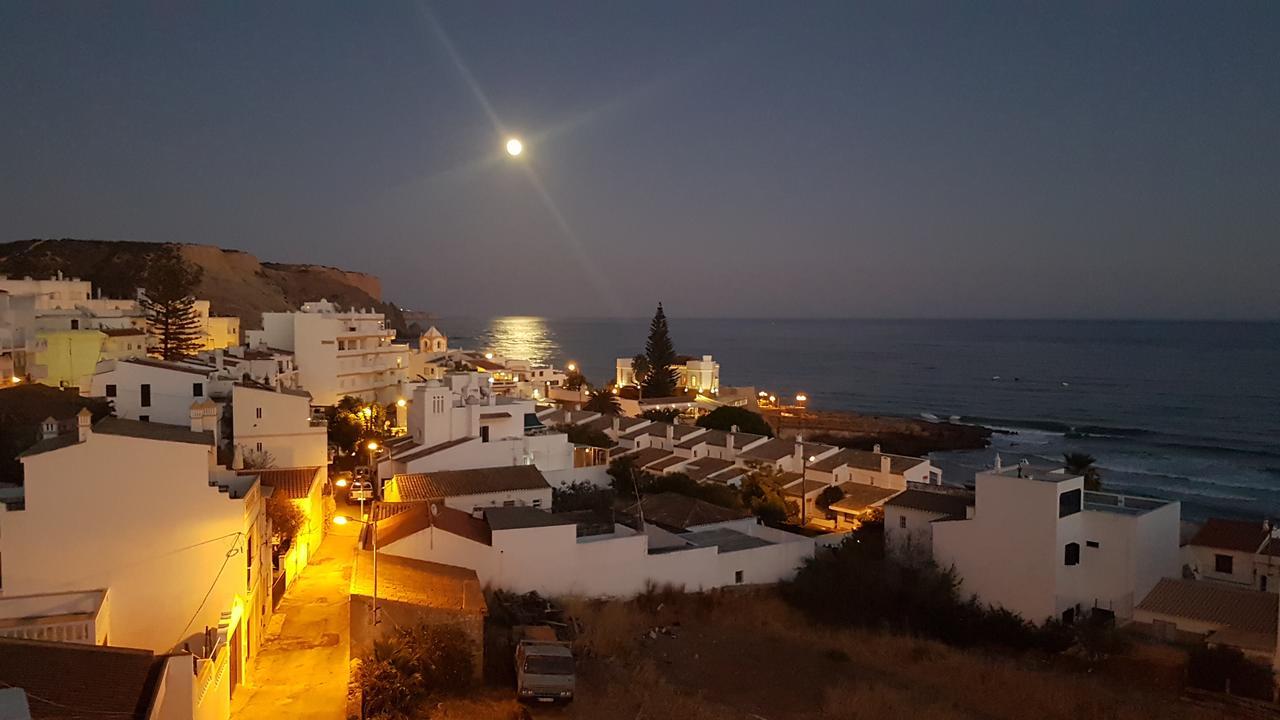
(167, 299)
(662, 377)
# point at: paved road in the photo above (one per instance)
(301, 670)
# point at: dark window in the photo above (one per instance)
(1071, 555)
(1223, 564)
(258, 414)
(145, 390)
(111, 391)
(1069, 503)
(197, 389)
(144, 418)
(902, 521)
(1091, 543)
(1262, 583)
(484, 433)
(737, 577)
(75, 324)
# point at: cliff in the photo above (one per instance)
(234, 282)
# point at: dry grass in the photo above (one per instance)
(737, 656)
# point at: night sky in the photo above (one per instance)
(846, 159)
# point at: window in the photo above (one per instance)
(111, 391)
(1071, 554)
(1262, 583)
(737, 577)
(1223, 564)
(902, 521)
(258, 413)
(1091, 543)
(1069, 503)
(537, 502)
(145, 391)
(75, 324)
(197, 389)
(144, 418)
(484, 433)
(259, 447)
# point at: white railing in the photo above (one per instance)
(74, 631)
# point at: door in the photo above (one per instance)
(234, 648)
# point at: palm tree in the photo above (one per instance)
(603, 401)
(640, 371)
(1079, 463)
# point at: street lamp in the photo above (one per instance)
(401, 403)
(572, 366)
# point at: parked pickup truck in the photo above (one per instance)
(544, 665)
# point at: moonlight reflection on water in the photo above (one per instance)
(522, 337)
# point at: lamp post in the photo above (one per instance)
(372, 447)
(804, 487)
(372, 522)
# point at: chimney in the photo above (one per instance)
(197, 417)
(729, 442)
(671, 431)
(217, 358)
(885, 465)
(84, 422)
(876, 448)
(49, 429)
(617, 425)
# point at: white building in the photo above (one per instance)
(698, 374)
(521, 548)
(874, 468)
(337, 353)
(152, 390)
(909, 517)
(1235, 552)
(140, 515)
(459, 423)
(1039, 545)
(277, 423)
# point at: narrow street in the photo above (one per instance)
(301, 670)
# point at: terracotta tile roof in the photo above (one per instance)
(644, 457)
(949, 504)
(792, 488)
(866, 460)
(453, 483)
(724, 476)
(420, 451)
(659, 429)
(127, 428)
(424, 515)
(1223, 534)
(665, 463)
(860, 496)
(294, 482)
(192, 369)
(418, 582)
(675, 511)
(720, 438)
(701, 468)
(64, 680)
(778, 448)
(1249, 615)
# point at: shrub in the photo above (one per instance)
(285, 517)
(581, 435)
(666, 416)
(724, 418)
(580, 495)
(412, 664)
(1224, 669)
(830, 494)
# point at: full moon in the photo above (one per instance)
(514, 147)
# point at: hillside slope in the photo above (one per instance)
(235, 282)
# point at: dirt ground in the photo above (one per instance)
(749, 657)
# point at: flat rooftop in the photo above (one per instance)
(1122, 504)
(725, 540)
(1043, 473)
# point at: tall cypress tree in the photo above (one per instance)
(168, 299)
(662, 378)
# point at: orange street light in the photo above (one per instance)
(573, 366)
(801, 397)
(341, 519)
(372, 446)
(340, 482)
(401, 403)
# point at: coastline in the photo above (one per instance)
(894, 434)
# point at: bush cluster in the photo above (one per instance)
(412, 665)
(1224, 669)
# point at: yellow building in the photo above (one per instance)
(219, 331)
(67, 358)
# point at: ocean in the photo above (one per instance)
(1182, 410)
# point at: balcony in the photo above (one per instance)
(75, 617)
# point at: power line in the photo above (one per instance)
(231, 552)
(47, 701)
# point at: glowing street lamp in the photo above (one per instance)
(514, 147)
(340, 482)
(401, 403)
(801, 398)
(572, 366)
(341, 520)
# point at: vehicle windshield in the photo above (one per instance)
(548, 665)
